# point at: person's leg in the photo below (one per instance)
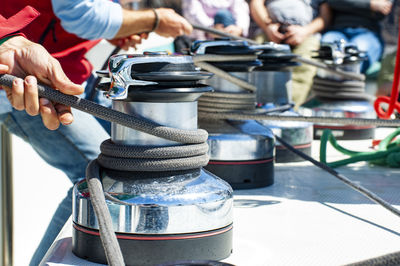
(302, 77)
(333, 36)
(370, 43)
(92, 94)
(385, 76)
(69, 149)
(224, 17)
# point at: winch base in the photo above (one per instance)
(155, 249)
(244, 174)
(284, 155)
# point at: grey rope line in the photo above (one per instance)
(125, 151)
(134, 164)
(134, 122)
(385, 260)
(107, 236)
(309, 119)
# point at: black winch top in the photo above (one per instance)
(340, 53)
(228, 47)
(155, 77)
(275, 57)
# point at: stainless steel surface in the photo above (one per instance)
(349, 68)
(6, 199)
(222, 85)
(295, 133)
(120, 71)
(181, 115)
(272, 86)
(176, 204)
(238, 140)
(340, 109)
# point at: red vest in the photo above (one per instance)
(46, 29)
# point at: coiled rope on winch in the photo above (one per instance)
(340, 89)
(133, 158)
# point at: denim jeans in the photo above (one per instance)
(366, 41)
(224, 17)
(69, 148)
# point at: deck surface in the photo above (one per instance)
(307, 217)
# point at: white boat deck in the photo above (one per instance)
(307, 217)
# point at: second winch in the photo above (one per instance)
(241, 152)
(336, 96)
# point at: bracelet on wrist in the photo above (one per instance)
(157, 20)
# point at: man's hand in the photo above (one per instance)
(295, 35)
(381, 6)
(131, 41)
(30, 61)
(273, 34)
(171, 24)
(234, 30)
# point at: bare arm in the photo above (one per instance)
(260, 15)
(297, 34)
(170, 23)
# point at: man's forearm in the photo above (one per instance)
(259, 13)
(134, 22)
(320, 22)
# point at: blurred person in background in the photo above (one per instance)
(296, 23)
(358, 22)
(231, 16)
(390, 33)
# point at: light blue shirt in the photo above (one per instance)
(89, 19)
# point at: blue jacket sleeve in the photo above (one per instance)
(89, 19)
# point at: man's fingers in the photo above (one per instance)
(3, 69)
(17, 98)
(49, 114)
(64, 114)
(187, 27)
(31, 96)
(60, 81)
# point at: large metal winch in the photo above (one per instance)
(241, 152)
(274, 86)
(336, 96)
(159, 216)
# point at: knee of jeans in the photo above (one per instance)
(225, 17)
(332, 36)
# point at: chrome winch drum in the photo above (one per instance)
(241, 152)
(274, 87)
(159, 217)
(335, 96)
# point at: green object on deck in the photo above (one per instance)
(388, 153)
